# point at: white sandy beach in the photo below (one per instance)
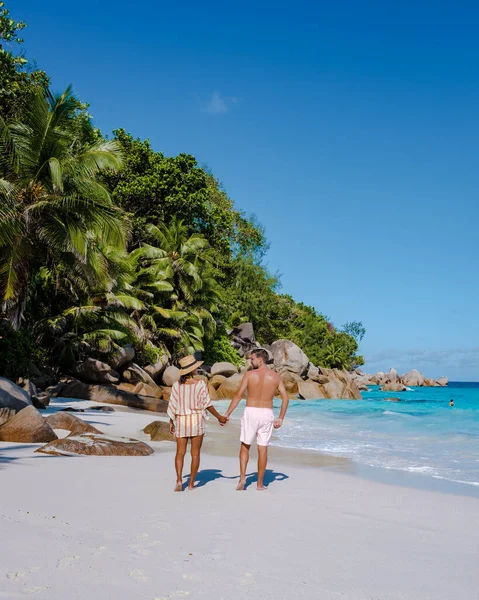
(112, 528)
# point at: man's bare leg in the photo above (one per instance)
(181, 444)
(244, 457)
(262, 462)
(196, 442)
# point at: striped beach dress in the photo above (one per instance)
(187, 406)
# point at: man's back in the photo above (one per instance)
(262, 386)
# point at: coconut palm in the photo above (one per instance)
(335, 357)
(184, 259)
(52, 210)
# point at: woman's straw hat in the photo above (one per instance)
(188, 364)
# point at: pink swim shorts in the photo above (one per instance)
(257, 424)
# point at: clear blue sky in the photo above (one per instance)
(349, 128)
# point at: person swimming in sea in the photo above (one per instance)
(451, 402)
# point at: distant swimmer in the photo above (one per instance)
(451, 402)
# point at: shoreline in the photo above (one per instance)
(344, 465)
(112, 527)
(224, 441)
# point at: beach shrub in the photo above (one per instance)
(220, 350)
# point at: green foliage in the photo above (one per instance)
(147, 354)
(18, 82)
(9, 28)
(355, 329)
(219, 349)
(153, 188)
(52, 210)
(18, 352)
(250, 295)
(104, 243)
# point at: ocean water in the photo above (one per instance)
(420, 434)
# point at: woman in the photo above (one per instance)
(188, 402)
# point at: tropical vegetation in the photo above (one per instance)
(106, 242)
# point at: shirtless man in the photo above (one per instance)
(258, 418)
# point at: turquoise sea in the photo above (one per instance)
(420, 434)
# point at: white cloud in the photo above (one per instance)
(218, 104)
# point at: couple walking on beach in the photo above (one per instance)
(190, 400)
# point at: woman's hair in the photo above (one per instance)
(190, 375)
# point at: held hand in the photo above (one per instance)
(223, 420)
(277, 424)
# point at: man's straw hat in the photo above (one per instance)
(188, 364)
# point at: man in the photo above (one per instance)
(258, 418)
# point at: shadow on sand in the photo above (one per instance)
(269, 478)
(208, 475)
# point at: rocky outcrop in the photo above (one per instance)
(213, 385)
(291, 381)
(310, 390)
(135, 374)
(243, 340)
(229, 387)
(91, 444)
(166, 391)
(65, 420)
(287, 356)
(245, 332)
(413, 378)
(159, 431)
(106, 395)
(27, 426)
(121, 357)
(141, 389)
(39, 400)
(155, 370)
(393, 375)
(393, 386)
(171, 375)
(12, 396)
(340, 385)
(6, 414)
(223, 368)
(95, 371)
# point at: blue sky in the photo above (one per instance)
(350, 129)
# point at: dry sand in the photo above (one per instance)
(112, 528)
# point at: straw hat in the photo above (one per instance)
(188, 364)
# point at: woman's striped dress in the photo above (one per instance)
(186, 408)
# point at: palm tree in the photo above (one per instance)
(335, 357)
(184, 259)
(53, 212)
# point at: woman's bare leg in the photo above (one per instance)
(181, 444)
(196, 442)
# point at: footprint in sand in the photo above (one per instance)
(67, 561)
(139, 576)
(177, 594)
(33, 590)
(15, 575)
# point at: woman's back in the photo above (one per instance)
(189, 397)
